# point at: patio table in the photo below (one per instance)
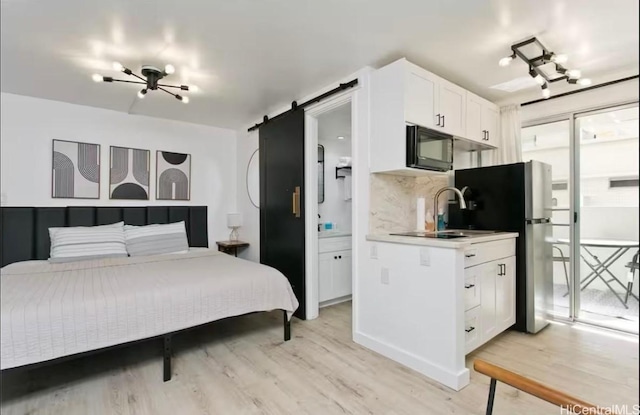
(619, 247)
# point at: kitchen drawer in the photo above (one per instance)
(338, 243)
(489, 251)
(472, 329)
(471, 291)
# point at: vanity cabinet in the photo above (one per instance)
(405, 94)
(334, 269)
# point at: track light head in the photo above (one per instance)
(574, 73)
(584, 82)
(536, 76)
(118, 66)
(169, 69)
(184, 100)
(96, 77)
(142, 93)
(506, 61)
(546, 92)
(561, 58)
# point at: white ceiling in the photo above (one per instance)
(250, 56)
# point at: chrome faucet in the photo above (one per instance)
(463, 204)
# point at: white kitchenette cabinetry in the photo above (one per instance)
(402, 94)
(334, 270)
(482, 121)
(436, 300)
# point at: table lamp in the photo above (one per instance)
(234, 221)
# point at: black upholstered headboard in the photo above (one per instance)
(25, 230)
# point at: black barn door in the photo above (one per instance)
(282, 199)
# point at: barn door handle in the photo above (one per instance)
(296, 202)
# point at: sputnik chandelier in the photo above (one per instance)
(545, 67)
(150, 79)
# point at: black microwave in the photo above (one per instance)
(429, 149)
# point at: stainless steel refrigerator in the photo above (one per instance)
(515, 198)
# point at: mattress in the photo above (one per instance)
(54, 310)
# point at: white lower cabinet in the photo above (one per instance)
(334, 270)
(493, 284)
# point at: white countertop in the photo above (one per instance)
(333, 234)
(442, 243)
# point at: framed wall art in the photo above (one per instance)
(75, 170)
(129, 173)
(173, 176)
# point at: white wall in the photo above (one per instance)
(335, 208)
(30, 124)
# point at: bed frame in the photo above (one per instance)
(24, 236)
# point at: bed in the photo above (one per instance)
(56, 311)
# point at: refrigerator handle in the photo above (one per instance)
(575, 217)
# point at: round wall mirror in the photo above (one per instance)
(253, 178)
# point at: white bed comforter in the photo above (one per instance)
(54, 310)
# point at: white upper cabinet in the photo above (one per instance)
(452, 109)
(483, 121)
(421, 98)
(403, 93)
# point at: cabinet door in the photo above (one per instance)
(325, 276)
(491, 123)
(421, 99)
(489, 273)
(506, 293)
(475, 130)
(452, 103)
(342, 274)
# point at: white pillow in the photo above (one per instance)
(87, 242)
(156, 239)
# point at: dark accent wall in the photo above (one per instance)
(24, 231)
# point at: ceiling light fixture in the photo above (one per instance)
(541, 62)
(150, 78)
(340, 137)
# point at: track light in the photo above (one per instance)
(546, 92)
(584, 82)
(169, 69)
(559, 58)
(560, 69)
(118, 66)
(185, 100)
(506, 61)
(536, 77)
(142, 93)
(97, 77)
(574, 73)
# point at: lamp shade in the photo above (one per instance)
(234, 220)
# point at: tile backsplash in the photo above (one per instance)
(393, 200)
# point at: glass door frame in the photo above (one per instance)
(574, 195)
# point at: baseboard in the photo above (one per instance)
(335, 301)
(451, 379)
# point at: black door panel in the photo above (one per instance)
(281, 211)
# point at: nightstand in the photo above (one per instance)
(231, 247)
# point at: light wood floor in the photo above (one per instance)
(241, 366)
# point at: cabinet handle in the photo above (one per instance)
(438, 123)
(487, 135)
(470, 329)
(335, 257)
(443, 121)
(339, 256)
(295, 202)
(502, 269)
(469, 255)
(469, 286)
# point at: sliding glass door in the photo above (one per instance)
(607, 146)
(595, 166)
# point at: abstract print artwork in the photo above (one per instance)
(173, 176)
(75, 170)
(129, 173)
